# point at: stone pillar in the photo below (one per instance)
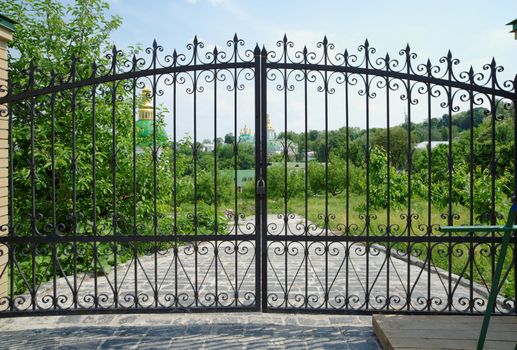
(6, 35)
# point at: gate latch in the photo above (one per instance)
(261, 186)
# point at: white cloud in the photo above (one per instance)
(217, 2)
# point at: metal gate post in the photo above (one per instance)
(258, 175)
(263, 169)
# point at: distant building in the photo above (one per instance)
(424, 144)
(207, 147)
(145, 125)
(274, 145)
(246, 135)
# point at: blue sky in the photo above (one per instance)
(474, 31)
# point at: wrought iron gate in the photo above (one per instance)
(109, 214)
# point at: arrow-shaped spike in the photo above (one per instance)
(493, 64)
(387, 58)
(155, 44)
(285, 38)
(325, 40)
(235, 38)
(256, 51)
(471, 71)
(195, 40)
(407, 47)
(305, 50)
(264, 51)
(449, 54)
(366, 43)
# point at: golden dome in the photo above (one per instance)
(269, 126)
(146, 110)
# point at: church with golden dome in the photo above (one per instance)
(274, 145)
(145, 124)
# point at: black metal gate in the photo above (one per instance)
(111, 212)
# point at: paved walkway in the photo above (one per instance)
(228, 278)
(189, 331)
(291, 277)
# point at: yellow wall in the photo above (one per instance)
(5, 37)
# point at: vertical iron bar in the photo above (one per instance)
(306, 158)
(174, 180)
(493, 162)
(216, 216)
(194, 153)
(53, 176)
(471, 192)
(347, 198)
(33, 188)
(94, 190)
(286, 155)
(11, 232)
(450, 168)
(74, 180)
(368, 153)
(135, 229)
(325, 59)
(388, 194)
(258, 175)
(429, 183)
(236, 153)
(409, 152)
(114, 171)
(155, 180)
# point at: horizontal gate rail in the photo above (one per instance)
(273, 238)
(467, 86)
(122, 76)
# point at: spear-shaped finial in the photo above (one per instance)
(256, 51)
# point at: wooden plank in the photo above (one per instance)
(443, 332)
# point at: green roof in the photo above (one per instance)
(514, 24)
(145, 133)
(7, 23)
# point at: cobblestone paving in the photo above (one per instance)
(189, 331)
(289, 274)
